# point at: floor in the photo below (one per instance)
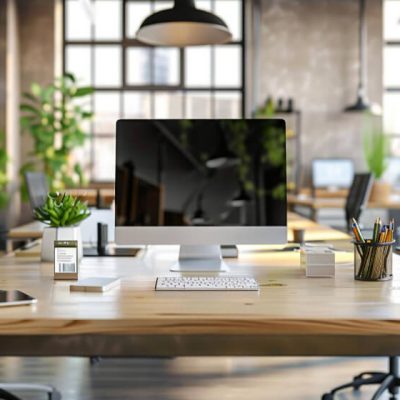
(284, 378)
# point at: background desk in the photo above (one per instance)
(291, 315)
(315, 204)
(314, 231)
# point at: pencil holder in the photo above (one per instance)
(373, 261)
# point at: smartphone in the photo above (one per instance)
(15, 298)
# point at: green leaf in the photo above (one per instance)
(36, 89)
(83, 91)
(70, 76)
(30, 97)
(29, 108)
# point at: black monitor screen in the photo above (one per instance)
(201, 173)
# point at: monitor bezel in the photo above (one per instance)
(200, 235)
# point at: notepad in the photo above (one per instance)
(94, 285)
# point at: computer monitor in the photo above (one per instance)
(200, 184)
(332, 173)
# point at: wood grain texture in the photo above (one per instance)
(291, 314)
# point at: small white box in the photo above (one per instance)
(318, 262)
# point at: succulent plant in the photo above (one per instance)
(61, 210)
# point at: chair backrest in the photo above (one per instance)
(358, 197)
(38, 188)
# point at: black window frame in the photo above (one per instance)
(125, 43)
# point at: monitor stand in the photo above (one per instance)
(194, 258)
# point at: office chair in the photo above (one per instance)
(356, 200)
(36, 183)
(52, 393)
(358, 197)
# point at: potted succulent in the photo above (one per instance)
(63, 213)
(376, 146)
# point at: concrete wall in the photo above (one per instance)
(36, 32)
(3, 39)
(309, 51)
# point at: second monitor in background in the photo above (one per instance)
(332, 174)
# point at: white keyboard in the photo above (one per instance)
(206, 283)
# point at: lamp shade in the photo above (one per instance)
(183, 25)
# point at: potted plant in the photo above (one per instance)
(63, 213)
(376, 147)
(53, 115)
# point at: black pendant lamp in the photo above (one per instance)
(223, 157)
(199, 216)
(362, 103)
(183, 25)
(242, 198)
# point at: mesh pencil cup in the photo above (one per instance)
(373, 261)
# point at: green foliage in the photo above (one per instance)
(376, 148)
(3, 172)
(61, 210)
(53, 118)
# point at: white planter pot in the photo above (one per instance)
(65, 233)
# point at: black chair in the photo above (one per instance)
(38, 188)
(357, 199)
(386, 380)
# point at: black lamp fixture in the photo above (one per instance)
(241, 198)
(183, 25)
(362, 103)
(199, 216)
(223, 157)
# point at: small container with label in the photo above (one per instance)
(66, 259)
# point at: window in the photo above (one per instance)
(132, 80)
(391, 76)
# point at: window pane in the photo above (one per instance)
(78, 61)
(391, 66)
(78, 15)
(136, 11)
(107, 66)
(227, 105)
(82, 156)
(391, 115)
(198, 66)
(230, 11)
(138, 68)
(104, 159)
(168, 105)
(106, 112)
(166, 66)
(162, 5)
(395, 147)
(108, 24)
(204, 5)
(137, 105)
(198, 105)
(227, 66)
(391, 19)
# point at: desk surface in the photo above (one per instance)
(291, 315)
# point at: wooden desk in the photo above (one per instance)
(315, 204)
(291, 315)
